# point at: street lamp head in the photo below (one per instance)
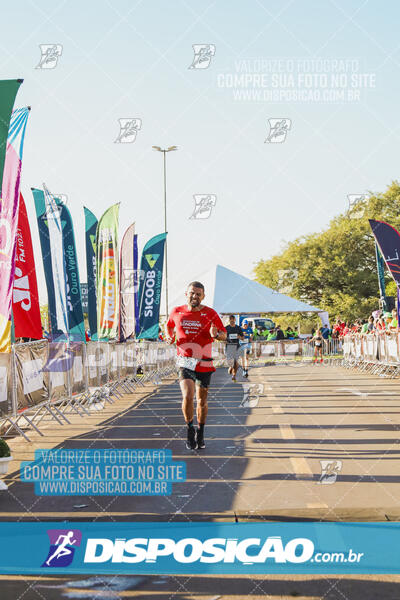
(170, 149)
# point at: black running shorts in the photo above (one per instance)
(201, 379)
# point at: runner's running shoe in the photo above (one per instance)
(191, 443)
(245, 373)
(200, 440)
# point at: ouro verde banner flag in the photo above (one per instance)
(151, 272)
(90, 236)
(107, 279)
(76, 326)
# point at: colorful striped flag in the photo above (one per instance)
(9, 219)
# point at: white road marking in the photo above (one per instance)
(287, 432)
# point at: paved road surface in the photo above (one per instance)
(262, 461)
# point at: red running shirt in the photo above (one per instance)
(193, 333)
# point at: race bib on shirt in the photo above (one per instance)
(187, 362)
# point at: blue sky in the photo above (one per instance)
(131, 59)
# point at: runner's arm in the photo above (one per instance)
(170, 330)
(217, 329)
(218, 334)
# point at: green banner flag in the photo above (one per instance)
(8, 91)
(151, 268)
(107, 275)
(90, 235)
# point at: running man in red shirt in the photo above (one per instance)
(196, 327)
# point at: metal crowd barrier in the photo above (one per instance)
(263, 351)
(42, 380)
(375, 353)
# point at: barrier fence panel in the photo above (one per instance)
(268, 349)
(59, 363)
(113, 361)
(126, 359)
(96, 358)
(103, 362)
(377, 353)
(78, 374)
(369, 346)
(392, 348)
(6, 407)
(31, 383)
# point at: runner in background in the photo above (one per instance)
(196, 326)
(234, 334)
(246, 346)
(318, 341)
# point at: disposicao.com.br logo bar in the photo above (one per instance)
(189, 550)
(200, 548)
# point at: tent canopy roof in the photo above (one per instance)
(228, 292)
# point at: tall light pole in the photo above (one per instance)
(164, 151)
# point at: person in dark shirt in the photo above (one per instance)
(246, 346)
(279, 333)
(234, 333)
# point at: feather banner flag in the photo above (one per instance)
(8, 91)
(388, 240)
(9, 219)
(51, 241)
(380, 267)
(136, 281)
(107, 274)
(76, 325)
(90, 236)
(26, 309)
(151, 268)
(127, 319)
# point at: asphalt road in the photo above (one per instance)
(291, 443)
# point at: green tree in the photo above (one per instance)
(335, 270)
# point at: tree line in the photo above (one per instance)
(335, 270)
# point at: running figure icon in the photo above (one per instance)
(62, 550)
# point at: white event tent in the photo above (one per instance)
(230, 293)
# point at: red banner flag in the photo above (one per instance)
(26, 310)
